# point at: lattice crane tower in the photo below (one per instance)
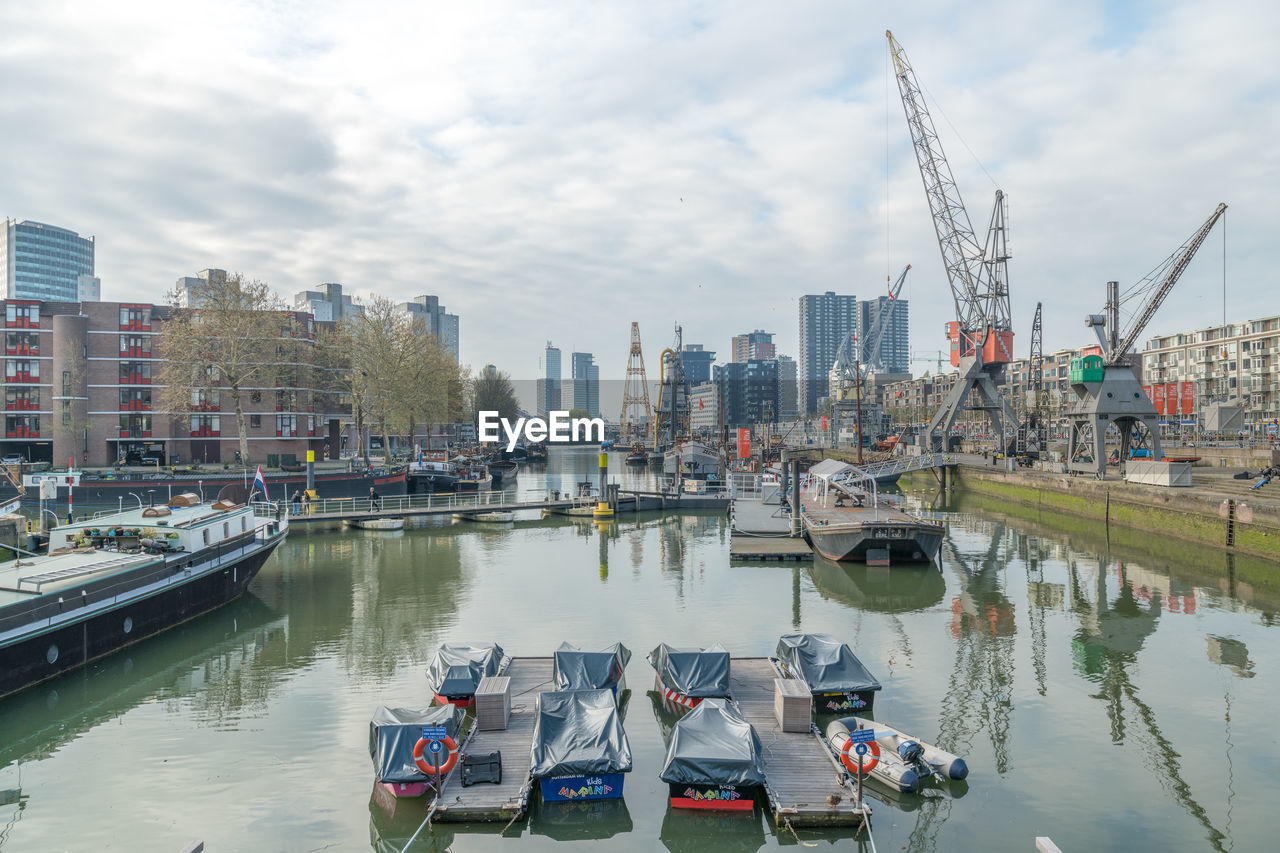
(636, 410)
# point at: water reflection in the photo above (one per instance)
(901, 589)
(687, 831)
(209, 662)
(587, 821)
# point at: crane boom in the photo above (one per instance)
(1173, 268)
(962, 254)
(871, 346)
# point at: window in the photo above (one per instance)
(66, 413)
(135, 399)
(22, 316)
(286, 425)
(135, 373)
(135, 318)
(206, 536)
(255, 421)
(66, 383)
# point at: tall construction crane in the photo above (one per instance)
(981, 336)
(1106, 387)
(1031, 438)
(872, 343)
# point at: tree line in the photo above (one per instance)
(238, 340)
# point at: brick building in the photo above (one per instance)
(80, 384)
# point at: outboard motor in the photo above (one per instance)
(911, 752)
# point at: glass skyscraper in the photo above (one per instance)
(44, 262)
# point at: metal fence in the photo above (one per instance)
(393, 504)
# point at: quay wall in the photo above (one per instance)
(1185, 514)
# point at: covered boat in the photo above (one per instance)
(715, 760)
(577, 669)
(456, 670)
(837, 679)
(404, 762)
(579, 750)
(687, 676)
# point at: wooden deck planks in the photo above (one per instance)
(762, 548)
(800, 770)
(489, 802)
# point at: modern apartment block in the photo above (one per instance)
(80, 383)
(585, 383)
(788, 388)
(757, 344)
(895, 344)
(1233, 363)
(748, 392)
(550, 380)
(439, 322)
(327, 303)
(697, 363)
(43, 262)
(825, 320)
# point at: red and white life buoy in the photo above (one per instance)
(854, 762)
(420, 759)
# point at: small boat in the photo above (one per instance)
(458, 668)
(503, 471)
(580, 750)
(838, 680)
(432, 472)
(715, 760)
(845, 518)
(375, 523)
(475, 478)
(497, 517)
(638, 455)
(684, 677)
(403, 763)
(900, 761)
(576, 669)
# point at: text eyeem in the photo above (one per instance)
(558, 428)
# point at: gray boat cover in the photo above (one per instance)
(714, 745)
(824, 663)
(457, 668)
(576, 669)
(393, 732)
(578, 732)
(698, 673)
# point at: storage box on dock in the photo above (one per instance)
(792, 704)
(493, 703)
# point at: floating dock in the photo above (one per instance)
(746, 547)
(510, 798)
(804, 782)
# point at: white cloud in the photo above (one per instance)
(557, 172)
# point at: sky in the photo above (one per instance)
(555, 171)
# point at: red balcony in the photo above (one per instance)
(135, 326)
(135, 406)
(286, 433)
(206, 407)
(21, 376)
(21, 405)
(135, 379)
(206, 432)
(22, 432)
(22, 349)
(135, 352)
(21, 323)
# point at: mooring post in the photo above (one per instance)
(795, 498)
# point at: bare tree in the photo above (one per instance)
(234, 339)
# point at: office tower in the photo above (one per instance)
(44, 262)
(437, 320)
(585, 382)
(549, 380)
(825, 320)
(757, 344)
(697, 363)
(327, 303)
(788, 392)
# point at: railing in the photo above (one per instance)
(392, 504)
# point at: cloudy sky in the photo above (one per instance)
(555, 171)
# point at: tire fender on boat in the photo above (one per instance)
(420, 759)
(853, 763)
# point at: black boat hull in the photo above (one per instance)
(71, 645)
(113, 494)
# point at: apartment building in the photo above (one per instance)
(80, 383)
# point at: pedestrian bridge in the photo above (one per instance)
(358, 509)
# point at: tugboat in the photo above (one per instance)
(111, 581)
(638, 455)
(432, 473)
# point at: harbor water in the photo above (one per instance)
(1110, 698)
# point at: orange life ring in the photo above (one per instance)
(427, 767)
(853, 763)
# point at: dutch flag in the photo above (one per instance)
(260, 483)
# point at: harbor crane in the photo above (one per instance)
(872, 345)
(981, 336)
(1105, 384)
